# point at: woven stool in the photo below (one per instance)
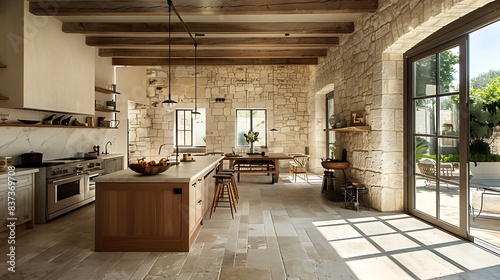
(223, 185)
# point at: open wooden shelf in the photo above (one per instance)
(106, 110)
(3, 65)
(365, 128)
(105, 90)
(3, 97)
(54, 126)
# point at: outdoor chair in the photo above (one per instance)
(446, 171)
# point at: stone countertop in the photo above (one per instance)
(19, 171)
(183, 172)
(108, 156)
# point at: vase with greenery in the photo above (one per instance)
(251, 137)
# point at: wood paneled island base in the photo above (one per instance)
(160, 213)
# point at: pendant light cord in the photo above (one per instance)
(170, 8)
(195, 76)
(169, 51)
(273, 81)
(182, 21)
(246, 87)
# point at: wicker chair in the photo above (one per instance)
(447, 171)
(298, 167)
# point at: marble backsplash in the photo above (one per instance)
(53, 142)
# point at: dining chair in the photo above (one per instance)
(298, 167)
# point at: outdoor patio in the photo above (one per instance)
(485, 226)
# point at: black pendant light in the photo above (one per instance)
(273, 131)
(195, 114)
(169, 104)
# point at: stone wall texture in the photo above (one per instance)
(282, 90)
(366, 69)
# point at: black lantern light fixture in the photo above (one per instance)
(169, 105)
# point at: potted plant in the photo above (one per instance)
(333, 163)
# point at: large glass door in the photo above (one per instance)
(484, 195)
(439, 147)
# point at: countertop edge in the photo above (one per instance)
(108, 156)
(19, 171)
(185, 172)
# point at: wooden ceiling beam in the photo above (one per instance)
(210, 28)
(162, 42)
(214, 61)
(190, 7)
(148, 53)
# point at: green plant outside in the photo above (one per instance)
(480, 152)
(455, 157)
(484, 117)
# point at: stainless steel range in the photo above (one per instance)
(63, 185)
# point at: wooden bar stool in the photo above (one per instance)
(223, 186)
(233, 182)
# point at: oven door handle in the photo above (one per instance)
(94, 173)
(78, 177)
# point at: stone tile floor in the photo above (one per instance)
(281, 231)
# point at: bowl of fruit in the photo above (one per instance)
(151, 167)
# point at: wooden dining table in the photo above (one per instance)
(256, 160)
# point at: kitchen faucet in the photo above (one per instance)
(106, 147)
(159, 151)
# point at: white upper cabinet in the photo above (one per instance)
(47, 69)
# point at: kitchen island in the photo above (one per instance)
(162, 213)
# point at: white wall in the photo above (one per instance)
(60, 75)
(58, 67)
(49, 69)
(104, 77)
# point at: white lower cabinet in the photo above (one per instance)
(22, 203)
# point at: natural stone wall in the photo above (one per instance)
(367, 71)
(282, 90)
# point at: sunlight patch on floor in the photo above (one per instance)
(399, 246)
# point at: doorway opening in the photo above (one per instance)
(453, 140)
(484, 69)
